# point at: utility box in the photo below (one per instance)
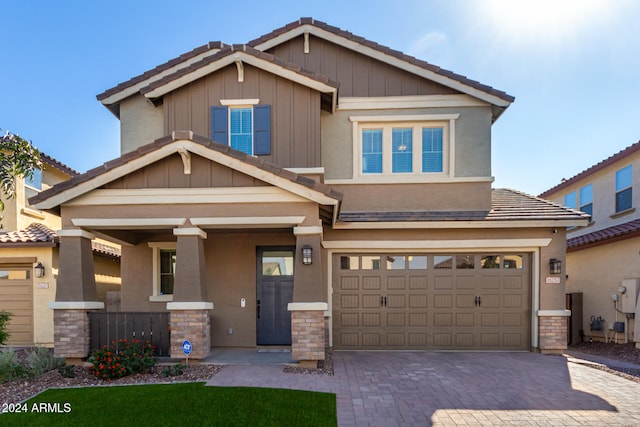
(629, 299)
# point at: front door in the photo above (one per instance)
(274, 292)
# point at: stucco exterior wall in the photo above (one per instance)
(472, 139)
(140, 123)
(610, 264)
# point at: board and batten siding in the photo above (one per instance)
(357, 74)
(295, 111)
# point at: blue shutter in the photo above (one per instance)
(262, 130)
(220, 124)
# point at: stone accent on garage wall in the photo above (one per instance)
(308, 332)
(553, 334)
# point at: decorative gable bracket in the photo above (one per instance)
(186, 160)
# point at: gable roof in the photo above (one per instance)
(200, 60)
(384, 54)
(506, 206)
(58, 165)
(595, 168)
(161, 148)
(246, 54)
(40, 235)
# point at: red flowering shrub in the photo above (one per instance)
(121, 359)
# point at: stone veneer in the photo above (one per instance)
(71, 333)
(307, 335)
(553, 334)
(194, 326)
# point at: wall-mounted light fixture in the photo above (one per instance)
(307, 252)
(39, 269)
(555, 266)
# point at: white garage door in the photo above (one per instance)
(434, 301)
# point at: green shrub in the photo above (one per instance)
(10, 368)
(66, 371)
(41, 360)
(121, 359)
(173, 371)
(5, 316)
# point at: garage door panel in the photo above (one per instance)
(443, 301)
(417, 282)
(371, 339)
(464, 340)
(396, 339)
(490, 340)
(349, 319)
(490, 301)
(349, 283)
(371, 301)
(418, 301)
(396, 283)
(465, 301)
(349, 339)
(489, 282)
(513, 301)
(443, 319)
(490, 319)
(513, 282)
(513, 319)
(371, 282)
(396, 301)
(417, 319)
(513, 340)
(464, 319)
(417, 340)
(349, 301)
(465, 282)
(443, 282)
(396, 319)
(442, 340)
(371, 319)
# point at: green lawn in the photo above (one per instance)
(190, 404)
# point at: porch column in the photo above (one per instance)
(75, 295)
(309, 302)
(190, 309)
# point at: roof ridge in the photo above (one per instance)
(594, 168)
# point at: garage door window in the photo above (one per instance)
(513, 262)
(371, 263)
(349, 263)
(15, 274)
(443, 262)
(417, 262)
(465, 261)
(396, 262)
(490, 261)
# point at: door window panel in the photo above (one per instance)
(277, 263)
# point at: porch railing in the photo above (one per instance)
(144, 326)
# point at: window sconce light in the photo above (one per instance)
(555, 266)
(39, 268)
(307, 251)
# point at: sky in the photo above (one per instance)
(572, 65)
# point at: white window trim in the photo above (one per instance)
(240, 102)
(156, 247)
(417, 122)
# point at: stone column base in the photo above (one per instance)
(71, 329)
(190, 321)
(307, 331)
(553, 333)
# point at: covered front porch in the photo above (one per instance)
(235, 265)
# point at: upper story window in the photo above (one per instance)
(390, 147)
(35, 181)
(243, 124)
(586, 200)
(623, 189)
(570, 200)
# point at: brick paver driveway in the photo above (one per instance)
(441, 388)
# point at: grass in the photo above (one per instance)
(190, 404)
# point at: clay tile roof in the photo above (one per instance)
(40, 235)
(607, 235)
(506, 205)
(384, 49)
(58, 165)
(229, 50)
(593, 169)
(180, 135)
(160, 68)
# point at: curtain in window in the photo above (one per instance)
(241, 129)
(432, 150)
(372, 151)
(402, 150)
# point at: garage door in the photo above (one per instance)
(435, 301)
(16, 297)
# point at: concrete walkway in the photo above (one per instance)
(440, 388)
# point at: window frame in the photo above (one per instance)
(417, 122)
(260, 124)
(620, 190)
(582, 204)
(156, 247)
(37, 173)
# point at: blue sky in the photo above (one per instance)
(573, 66)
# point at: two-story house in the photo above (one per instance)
(312, 188)
(29, 258)
(603, 258)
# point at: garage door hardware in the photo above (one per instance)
(478, 302)
(383, 301)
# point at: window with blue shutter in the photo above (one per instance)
(247, 129)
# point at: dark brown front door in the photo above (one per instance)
(274, 293)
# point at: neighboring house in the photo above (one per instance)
(603, 258)
(28, 240)
(311, 182)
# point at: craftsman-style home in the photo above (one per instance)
(313, 188)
